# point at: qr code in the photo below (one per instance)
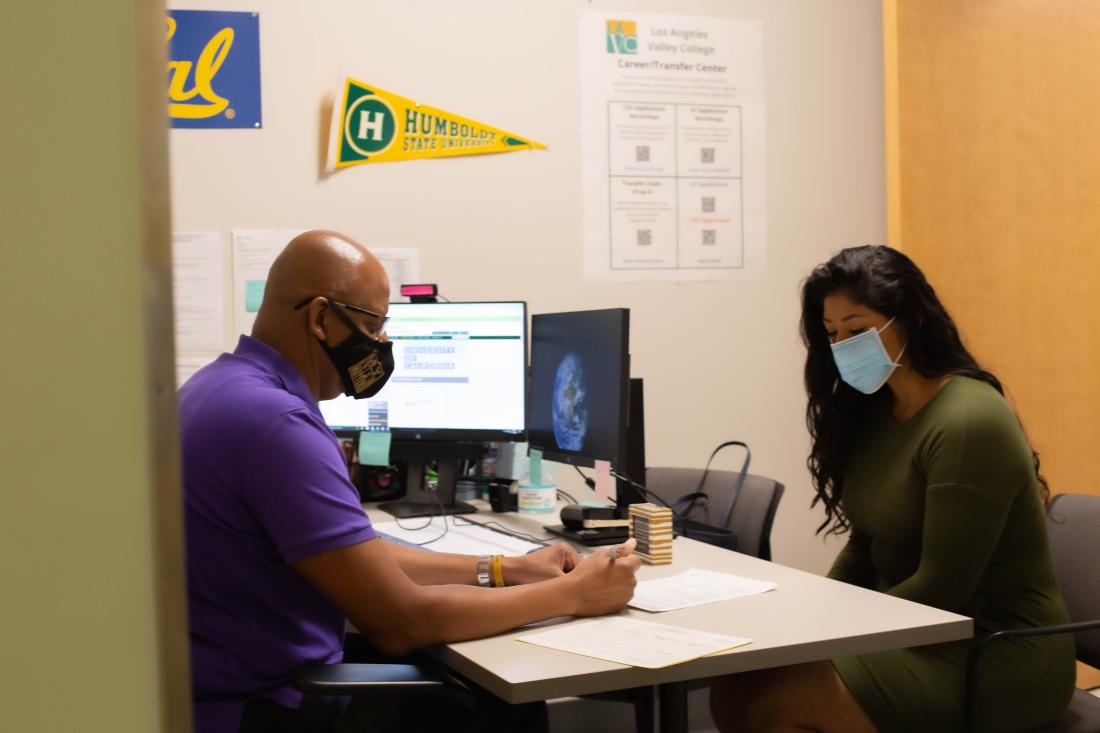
(707, 155)
(645, 237)
(708, 204)
(710, 237)
(641, 153)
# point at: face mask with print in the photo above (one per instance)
(364, 364)
(863, 362)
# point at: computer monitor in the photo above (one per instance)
(580, 372)
(459, 380)
(583, 406)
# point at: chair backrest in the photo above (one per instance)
(753, 511)
(1074, 529)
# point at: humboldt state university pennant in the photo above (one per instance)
(370, 125)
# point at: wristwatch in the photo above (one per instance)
(483, 577)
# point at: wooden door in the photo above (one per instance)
(994, 189)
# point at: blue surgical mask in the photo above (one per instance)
(863, 362)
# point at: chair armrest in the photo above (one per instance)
(379, 679)
(981, 643)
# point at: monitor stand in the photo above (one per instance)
(421, 502)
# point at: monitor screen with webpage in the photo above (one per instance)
(460, 375)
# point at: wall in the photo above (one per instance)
(720, 360)
(92, 604)
(995, 195)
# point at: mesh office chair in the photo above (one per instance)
(1074, 529)
(370, 686)
(753, 509)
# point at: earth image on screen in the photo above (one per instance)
(570, 411)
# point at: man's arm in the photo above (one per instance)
(369, 586)
(438, 568)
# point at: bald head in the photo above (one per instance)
(317, 265)
(328, 264)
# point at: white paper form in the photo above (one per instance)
(402, 265)
(462, 539)
(197, 274)
(633, 642)
(694, 588)
(253, 252)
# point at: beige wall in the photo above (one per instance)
(721, 360)
(994, 192)
(91, 604)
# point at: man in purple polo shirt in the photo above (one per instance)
(279, 550)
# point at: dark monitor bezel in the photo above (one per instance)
(463, 435)
(579, 458)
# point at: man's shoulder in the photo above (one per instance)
(234, 395)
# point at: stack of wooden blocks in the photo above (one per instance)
(651, 526)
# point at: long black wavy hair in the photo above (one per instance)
(886, 281)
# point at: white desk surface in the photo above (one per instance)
(807, 618)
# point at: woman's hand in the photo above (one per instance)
(549, 562)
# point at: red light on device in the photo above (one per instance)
(428, 289)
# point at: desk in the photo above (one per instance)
(807, 618)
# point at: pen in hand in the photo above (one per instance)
(620, 551)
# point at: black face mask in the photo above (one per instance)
(364, 364)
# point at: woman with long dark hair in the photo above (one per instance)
(918, 456)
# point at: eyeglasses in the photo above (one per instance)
(375, 329)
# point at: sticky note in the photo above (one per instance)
(374, 447)
(603, 480)
(253, 294)
(534, 467)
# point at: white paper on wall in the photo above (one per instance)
(672, 147)
(197, 284)
(253, 252)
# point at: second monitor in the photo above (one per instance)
(580, 371)
(583, 406)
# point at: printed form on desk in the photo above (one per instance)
(632, 642)
(694, 588)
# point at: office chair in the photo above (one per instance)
(1074, 529)
(754, 508)
(368, 685)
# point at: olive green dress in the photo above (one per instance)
(945, 511)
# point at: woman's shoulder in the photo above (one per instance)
(973, 410)
(973, 401)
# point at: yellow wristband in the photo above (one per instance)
(498, 571)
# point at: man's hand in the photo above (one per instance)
(604, 583)
(549, 562)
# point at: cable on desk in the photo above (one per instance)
(503, 530)
(589, 482)
(648, 493)
(397, 521)
(567, 496)
(443, 514)
(431, 518)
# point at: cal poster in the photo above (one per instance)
(214, 69)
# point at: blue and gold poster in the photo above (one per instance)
(214, 69)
